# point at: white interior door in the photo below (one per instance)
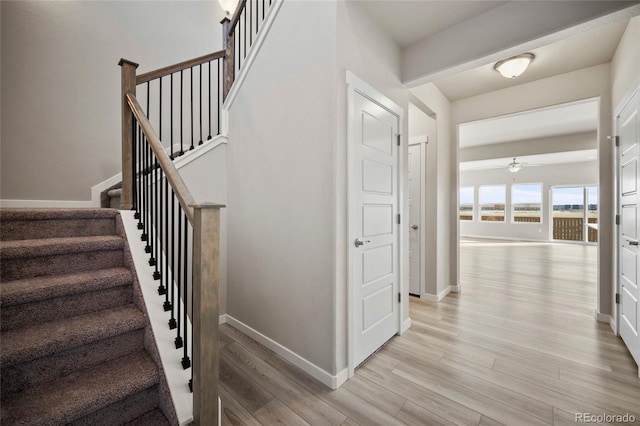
(628, 130)
(373, 227)
(415, 207)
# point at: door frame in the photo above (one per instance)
(615, 317)
(357, 85)
(422, 140)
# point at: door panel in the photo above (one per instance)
(373, 203)
(628, 130)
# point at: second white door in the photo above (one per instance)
(374, 231)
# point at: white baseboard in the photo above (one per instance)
(406, 324)
(603, 317)
(308, 367)
(438, 297)
(223, 319)
(456, 289)
(612, 324)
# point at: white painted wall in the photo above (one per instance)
(206, 178)
(625, 65)
(441, 265)
(582, 84)
(61, 84)
(281, 186)
(578, 174)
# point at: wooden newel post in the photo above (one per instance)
(205, 315)
(228, 65)
(128, 72)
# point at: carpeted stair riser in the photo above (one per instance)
(82, 393)
(55, 228)
(123, 411)
(64, 307)
(18, 268)
(17, 377)
(152, 418)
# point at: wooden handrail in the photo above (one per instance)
(161, 72)
(236, 15)
(175, 180)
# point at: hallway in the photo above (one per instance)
(518, 346)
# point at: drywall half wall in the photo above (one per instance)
(281, 191)
(61, 84)
(579, 174)
(592, 82)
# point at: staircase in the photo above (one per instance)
(72, 336)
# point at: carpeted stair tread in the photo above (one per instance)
(48, 214)
(41, 288)
(152, 418)
(71, 397)
(29, 343)
(58, 246)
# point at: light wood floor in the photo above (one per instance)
(518, 346)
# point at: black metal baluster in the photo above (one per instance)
(218, 97)
(157, 275)
(200, 100)
(139, 175)
(263, 10)
(245, 33)
(167, 305)
(186, 363)
(210, 63)
(152, 209)
(160, 112)
(148, 99)
(133, 164)
(181, 120)
(145, 189)
(171, 116)
(178, 276)
(191, 82)
(172, 284)
(250, 25)
(257, 15)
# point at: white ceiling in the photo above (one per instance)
(409, 21)
(574, 117)
(532, 160)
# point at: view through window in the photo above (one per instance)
(466, 202)
(492, 200)
(526, 203)
(571, 220)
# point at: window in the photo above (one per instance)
(568, 213)
(492, 200)
(466, 202)
(526, 203)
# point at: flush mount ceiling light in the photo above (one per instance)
(514, 167)
(515, 66)
(229, 6)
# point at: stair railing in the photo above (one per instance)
(239, 34)
(181, 236)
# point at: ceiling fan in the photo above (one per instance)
(515, 166)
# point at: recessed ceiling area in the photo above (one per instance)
(581, 51)
(574, 117)
(532, 160)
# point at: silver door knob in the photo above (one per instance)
(358, 242)
(414, 227)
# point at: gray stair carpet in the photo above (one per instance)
(72, 342)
